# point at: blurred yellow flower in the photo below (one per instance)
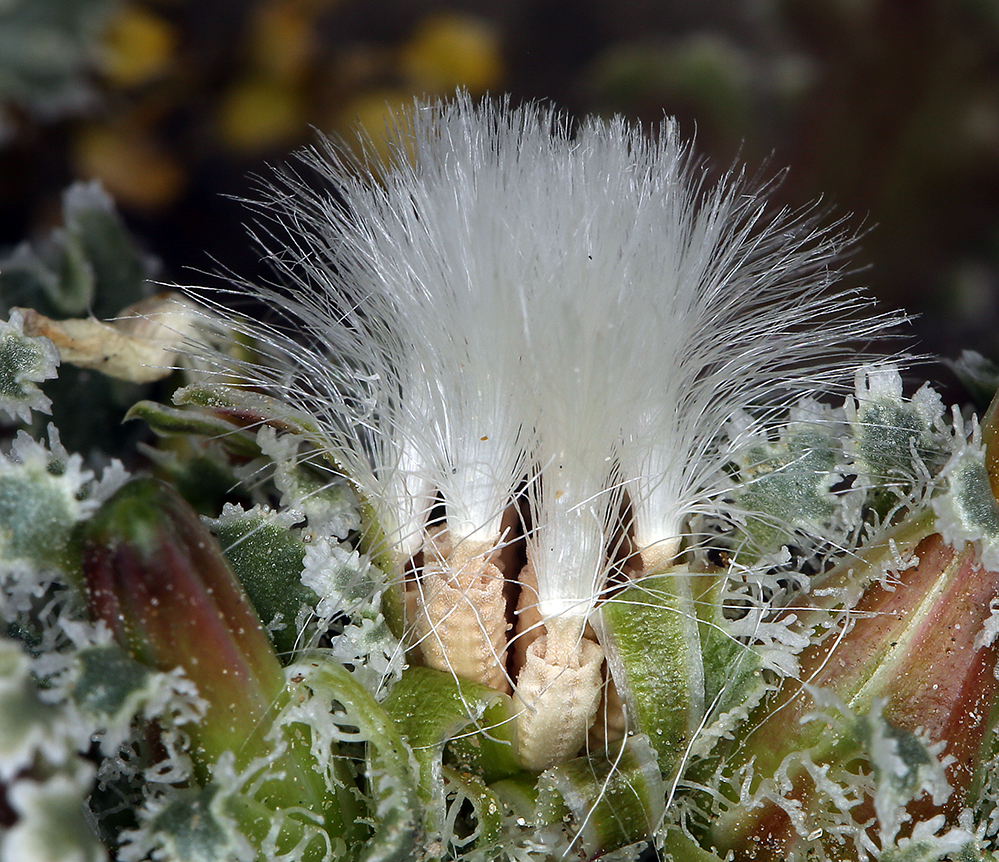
(280, 39)
(447, 51)
(138, 45)
(261, 112)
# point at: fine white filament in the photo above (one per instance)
(515, 314)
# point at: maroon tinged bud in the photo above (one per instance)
(158, 578)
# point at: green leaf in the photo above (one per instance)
(731, 668)
(888, 429)
(678, 847)
(77, 284)
(489, 812)
(90, 265)
(24, 362)
(110, 685)
(195, 826)
(40, 502)
(166, 421)
(267, 558)
(94, 228)
(432, 708)
(788, 487)
(656, 667)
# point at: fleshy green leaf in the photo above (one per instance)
(110, 685)
(42, 497)
(787, 487)
(326, 698)
(489, 812)
(267, 557)
(195, 826)
(173, 421)
(889, 431)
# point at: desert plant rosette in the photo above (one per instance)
(540, 508)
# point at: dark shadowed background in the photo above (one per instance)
(886, 109)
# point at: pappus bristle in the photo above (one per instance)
(510, 302)
(335, 358)
(744, 320)
(452, 292)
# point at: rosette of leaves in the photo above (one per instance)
(429, 763)
(245, 687)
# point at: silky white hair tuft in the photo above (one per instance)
(513, 309)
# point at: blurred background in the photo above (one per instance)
(887, 110)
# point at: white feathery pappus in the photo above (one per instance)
(522, 339)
